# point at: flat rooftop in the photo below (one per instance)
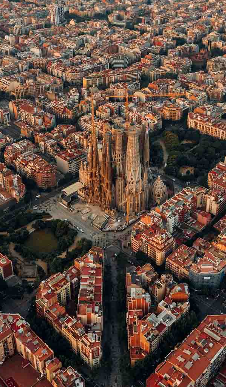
(71, 189)
(22, 372)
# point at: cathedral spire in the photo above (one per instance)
(95, 162)
(146, 149)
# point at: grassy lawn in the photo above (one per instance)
(42, 241)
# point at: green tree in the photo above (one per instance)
(39, 224)
(211, 151)
(171, 140)
(61, 229)
(218, 145)
(56, 266)
(199, 151)
(202, 180)
(182, 160)
(204, 162)
(170, 170)
(62, 244)
(3, 285)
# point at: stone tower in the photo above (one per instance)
(133, 164)
(159, 191)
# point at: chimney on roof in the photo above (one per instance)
(225, 160)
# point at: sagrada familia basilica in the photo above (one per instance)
(116, 177)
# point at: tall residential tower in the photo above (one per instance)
(57, 13)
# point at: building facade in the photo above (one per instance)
(84, 330)
(6, 267)
(194, 362)
(149, 237)
(57, 13)
(70, 161)
(16, 336)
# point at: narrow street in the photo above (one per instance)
(115, 376)
(18, 306)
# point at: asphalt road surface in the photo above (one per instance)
(11, 130)
(209, 304)
(115, 376)
(57, 211)
(18, 306)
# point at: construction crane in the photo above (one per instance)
(169, 95)
(128, 201)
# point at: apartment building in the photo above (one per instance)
(59, 285)
(196, 360)
(62, 109)
(21, 155)
(161, 287)
(35, 167)
(208, 271)
(68, 378)
(32, 348)
(144, 275)
(7, 342)
(146, 330)
(207, 125)
(4, 116)
(90, 296)
(11, 183)
(83, 331)
(16, 336)
(6, 267)
(62, 130)
(33, 115)
(217, 177)
(24, 341)
(153, 240)
(69, 161)
(13, 151)
(180, 261)
(175, 221)
(105, 78)
(203, 264)
(187, 207)
(215, 201)
(156, 243)
(26, 130)
(90, 348)
(172, 111)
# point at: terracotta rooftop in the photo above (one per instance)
(22, 373)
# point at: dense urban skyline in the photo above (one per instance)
(112, 193)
